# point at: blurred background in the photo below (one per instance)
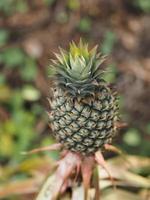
(30, 31)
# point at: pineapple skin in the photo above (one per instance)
(84, 125)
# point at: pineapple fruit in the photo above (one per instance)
(83, 119)
(83, 108)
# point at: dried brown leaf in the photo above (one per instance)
(119, 194)
(20, 187)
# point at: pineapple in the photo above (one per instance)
(83, 108)
(83, 119)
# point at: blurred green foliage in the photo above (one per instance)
(85, 24)
(12, 57)
(110, 74)
(17, 133)
(4, 35)
(9, 7)
(62, 17)
(29, 71)
(143, 5)
(73, 4)
(132, 137)
(49, 2)
(2, 79)
(108, 42)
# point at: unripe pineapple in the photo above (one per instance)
(83, 108)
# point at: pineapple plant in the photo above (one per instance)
(83, 108)
(83, 118)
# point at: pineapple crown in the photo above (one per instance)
(78, 70)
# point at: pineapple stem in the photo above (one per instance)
(101, 161)
(59, 183)
(120, 125)
(74, 164)
(96, 183)
(114, 149)
(87, 170)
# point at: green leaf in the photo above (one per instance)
(2, 79)
(85, 24)
(110, 75)
(62, 17)
(10, 127)
(30, 93)
(16, 101)
(4, 35)
(73, 4)
(6, 6)
(49, 2)
(24, 123)
(108, 43)
(21, 6)
(7, 144)
(37, 109)
(5, 93)
(29, 71)
(13, 57)
(148, 128)
(144, 5)
(132, 137)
